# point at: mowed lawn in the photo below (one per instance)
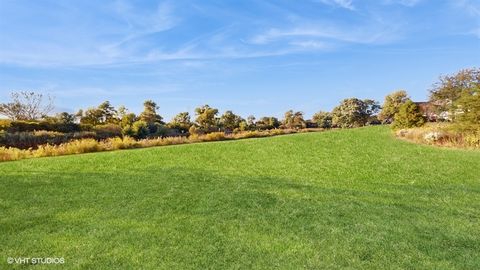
(356, 199)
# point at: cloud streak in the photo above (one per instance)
(94, 42)
(121, 33)
(346, 4)
(407, 3)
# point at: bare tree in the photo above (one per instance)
(27, 106)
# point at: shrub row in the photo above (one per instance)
(30, 126)
(25, 140)
(92, 145)
(32, 139)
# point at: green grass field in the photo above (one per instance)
(356, 199)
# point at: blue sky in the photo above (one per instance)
(253, 57)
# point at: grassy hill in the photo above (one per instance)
(350, 198)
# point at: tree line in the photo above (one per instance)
(351, 112)
(457, 95)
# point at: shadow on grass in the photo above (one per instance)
(182, 218)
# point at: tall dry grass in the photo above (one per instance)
(91, 145)
(442, 134)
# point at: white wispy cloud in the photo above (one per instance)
(122, 33)
(347, 4)
(408, 3)
(469, 6)
(311, 44)
(470, 9)
(93, 42)
(354, 35)
(143, 23)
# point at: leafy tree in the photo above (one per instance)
(372, 107)
(105, 113)
(230, 121)
(469, 104)
(243, 126)
(126, 118)
(181, 122)
(108, 113)
(450, 88)
(250, 122)
(128, 131)
(62, 122)
(140, 129)
(323, 119)
(27, 106)
(206, 117)
(160, 130)
(149, 114)
(122, 110)
(126, 121)
(265, 123)
(92, 116)
(218, 124)
(353, 112)
(391, 105)
(66, 118)
(294, 120)
(408, 116)
(194, 130)
(63, 118)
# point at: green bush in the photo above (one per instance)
(160, 131)
(107, 131)
(408, 116)
(323, 119)
(127, 131)
(30, 126)
(140, 129)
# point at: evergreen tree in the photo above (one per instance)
(408, 116)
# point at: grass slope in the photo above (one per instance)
(350, 198)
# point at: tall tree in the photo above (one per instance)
(181, 122)
(126, 118)
(323, 119)
(469, 104)
(65, 118)
(230, 121)
(250, 122)
(391, 105)
(27, 106)
(267, 123)
(108, 112)
(149, 114)
(294, 120)
(206, 117)
(105, 113)
(448, 90)
(354, 112)
(408, 116)
(92, 116)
